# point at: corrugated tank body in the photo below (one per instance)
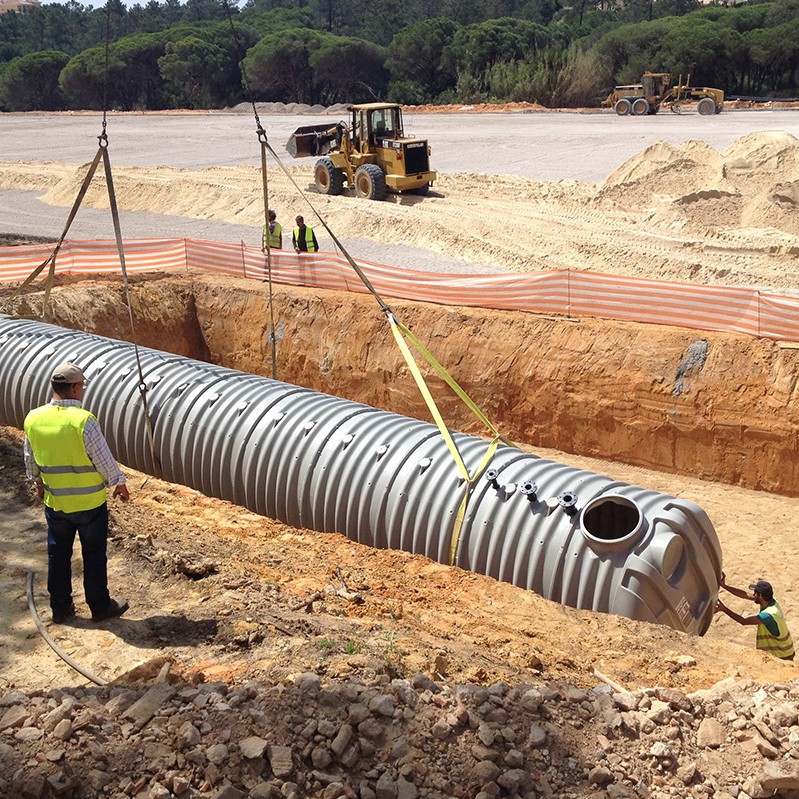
(384, 480)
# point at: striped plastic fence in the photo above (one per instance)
(569, 292)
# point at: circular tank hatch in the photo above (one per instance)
(611, 522)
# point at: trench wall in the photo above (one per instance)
(716, 406)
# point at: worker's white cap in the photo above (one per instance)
(68, 373)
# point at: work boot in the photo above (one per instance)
(62, 615)
(113, 610)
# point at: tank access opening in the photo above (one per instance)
(612, 520)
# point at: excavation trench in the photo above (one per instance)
(702, 404)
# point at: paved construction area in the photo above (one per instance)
(196, 175)
(540, 145)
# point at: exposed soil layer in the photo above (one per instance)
(583, 386)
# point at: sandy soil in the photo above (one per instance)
(220, 591)
(686, 213)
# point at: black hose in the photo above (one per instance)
(53, 645)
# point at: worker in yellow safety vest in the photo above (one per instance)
(70, 463)
(773, 635)
(273, 234)
(303, 238)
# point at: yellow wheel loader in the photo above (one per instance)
(372, 154)
(657, 89)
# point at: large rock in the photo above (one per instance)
(711, 734)
(773, 777)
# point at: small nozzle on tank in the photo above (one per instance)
(568, 501)
(491, 476)
(529, 489)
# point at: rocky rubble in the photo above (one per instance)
(398, 739)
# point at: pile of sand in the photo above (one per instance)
(753, 183)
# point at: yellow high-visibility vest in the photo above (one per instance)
(308, 237)
(273, 239)
(71, 482)
(781, 644)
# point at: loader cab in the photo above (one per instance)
(374, 122)
(385, 123)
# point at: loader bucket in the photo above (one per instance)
(309, 140)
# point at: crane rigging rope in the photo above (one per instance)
(401, 333)
(50, 262)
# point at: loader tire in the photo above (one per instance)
(370, 182)
(623, 107)
(422, 190)
(706, 106)
(329, 180)
(641, 107)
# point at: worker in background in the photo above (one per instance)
(68, 459)
(773, 635)
(303, 238)
(273, 233)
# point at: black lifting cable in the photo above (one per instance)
(262, 139)
(398, 328)
(50, 261)
(265, 146)
(112, 200)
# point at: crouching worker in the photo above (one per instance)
(68, 459)
(773, 635)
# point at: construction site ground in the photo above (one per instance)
(223, 593)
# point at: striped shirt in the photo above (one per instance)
(96, 448)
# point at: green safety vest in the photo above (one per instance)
(780, 645)
(272, 239)
(71, 482)
(308, 237)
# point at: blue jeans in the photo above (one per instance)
(92, 527)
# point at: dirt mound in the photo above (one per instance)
(400, 738)
(476, 108)
(745, 191)
(658, 165)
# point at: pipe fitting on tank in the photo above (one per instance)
(504, 492)
(529, 489)
(568, 501)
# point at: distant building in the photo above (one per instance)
(18, 5)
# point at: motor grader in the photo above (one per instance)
(657, 89)
(371, 154)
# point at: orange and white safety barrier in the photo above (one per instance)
(568, 292)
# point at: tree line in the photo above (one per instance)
(208, 54)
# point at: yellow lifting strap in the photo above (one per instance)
(399, 330)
